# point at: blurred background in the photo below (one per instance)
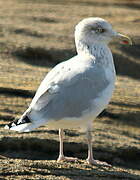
(35, 35)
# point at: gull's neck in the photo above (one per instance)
(98, 50)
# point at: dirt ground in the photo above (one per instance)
(35, 35)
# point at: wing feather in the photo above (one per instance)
(69, 92)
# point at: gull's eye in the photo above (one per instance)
(100, 30)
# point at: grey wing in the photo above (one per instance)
(73, 99)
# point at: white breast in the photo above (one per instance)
(105, 96)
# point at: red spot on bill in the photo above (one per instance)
(124, 42)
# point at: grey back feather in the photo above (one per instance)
(73, 95)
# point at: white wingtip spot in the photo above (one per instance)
(6, 127)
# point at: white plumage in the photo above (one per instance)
(75, 91)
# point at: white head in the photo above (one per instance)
(95, 30)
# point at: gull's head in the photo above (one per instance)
(97, 30)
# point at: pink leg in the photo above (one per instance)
(90, 158)
(61, 152)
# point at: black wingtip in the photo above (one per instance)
(18, 122)
(25, 120)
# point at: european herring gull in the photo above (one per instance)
(74, 92)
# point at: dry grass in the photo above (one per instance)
(34, 36)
